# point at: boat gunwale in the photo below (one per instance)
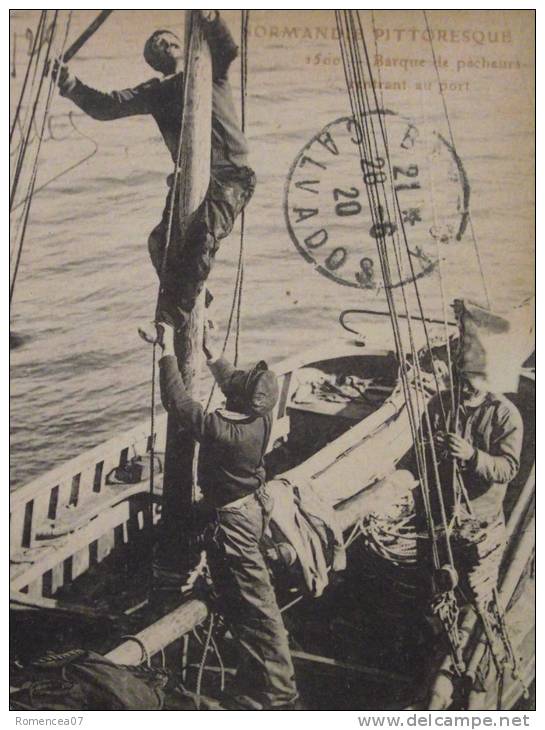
(138, 439)
(24, 493)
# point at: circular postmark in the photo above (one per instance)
(337, 206)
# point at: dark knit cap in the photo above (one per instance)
(253, 391)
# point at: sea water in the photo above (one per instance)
(85, 282)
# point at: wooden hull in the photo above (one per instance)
(73, 518)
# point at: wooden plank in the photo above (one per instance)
(64, 494)
(62, 549)
(17, 528)
(57, 577)
(105, 545)
(70, 520)
(35, 589)
(87, 461)
(285, 382)
(350, 410)
(280, 430)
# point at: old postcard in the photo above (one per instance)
(272, 360)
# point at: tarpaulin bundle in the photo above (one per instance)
(494, 346)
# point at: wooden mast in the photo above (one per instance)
(194, 180)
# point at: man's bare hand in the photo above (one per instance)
(165, 337)
(210, 15)
(208, 346)
(458, 447)
(63, 77)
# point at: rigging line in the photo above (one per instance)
(416, 362)
(19, 165)
(243, 91)
(386, 276)
(27, 128)
(30, 191)
(28, 125)
(399, 217)
(35, 191)
(34, 60)
(20, 247)
(236, 302)
(51, 89)
(355, 83)
(451, 134)
(370, 188)
(444, 306)
(358, 103)
(380, 181)
(68, 169)
(351, 84)
(386, 147)
(27, 74)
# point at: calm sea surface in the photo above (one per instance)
(85, 283)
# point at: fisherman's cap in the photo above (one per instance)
(255, 390)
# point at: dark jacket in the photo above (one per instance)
(232, 449)
(163, 99)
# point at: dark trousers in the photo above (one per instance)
(478, 551)
(190, 257)
(265, 675)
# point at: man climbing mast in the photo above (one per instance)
(232, 182)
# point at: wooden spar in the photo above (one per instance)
(194, 176)
(160, 634)
(189, 615)
(87, 33)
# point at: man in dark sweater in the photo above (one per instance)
(231, 181)
(231, 474)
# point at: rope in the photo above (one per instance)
(202, 664)
(221, 663)
(384, 255)
(451, 135)
(399, 216)
(236, 302)
(445, 605)
(22, 153)
(32, 184)
(68, 169)
(236, 305)
(354, 78)
(31, 59)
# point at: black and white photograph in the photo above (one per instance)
(272, 361)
